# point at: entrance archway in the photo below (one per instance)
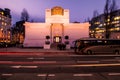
(57, 39)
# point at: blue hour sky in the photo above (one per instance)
(79, 9)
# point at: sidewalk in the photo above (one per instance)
(35, 51)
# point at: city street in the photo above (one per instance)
(37, 66)
(60, 40)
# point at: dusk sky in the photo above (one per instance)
(79, 9)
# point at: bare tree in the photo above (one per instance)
(110, 7)
(24, 15)
(113, 6)
(106, 16)
(95, 13)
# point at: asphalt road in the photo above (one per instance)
(61, 67)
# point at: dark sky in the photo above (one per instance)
(79, 9)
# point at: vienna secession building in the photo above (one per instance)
(56, 29)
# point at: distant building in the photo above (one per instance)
(5, 24)
(56, 29)
(97, 28)
(18, 32)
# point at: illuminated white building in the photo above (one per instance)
(57, 27)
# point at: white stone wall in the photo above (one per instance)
(76, 31)
(35, 34)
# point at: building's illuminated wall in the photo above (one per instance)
(35, 34)
(57, 25)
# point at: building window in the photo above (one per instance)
(3, 19)
(118, 37)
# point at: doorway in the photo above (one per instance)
(57, 39)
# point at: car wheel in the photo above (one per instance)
(89, 52)
(116, 51)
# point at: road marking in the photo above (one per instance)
(44, 75)
(114, 74)
(19, 66)
(16, 66)
(7, 74)
(84, 75)
(51, 75)
(44, 61)
(29, 67)
(31, 58)
(88, 61)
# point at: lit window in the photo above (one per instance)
(2, 18)
(117, 18)
(97, 22)
(2, 13)
(57, 39)
(5, 24)
(117, 28)
(118, 37)
(2, 23)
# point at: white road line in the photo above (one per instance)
(51, 75)
(29, 67)
(44, 75)
(19, 66)
(88, 61)
(82, 75)
(31, 58)
(44, 61)
(114, 74)
(16, 66)
(7, 74)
